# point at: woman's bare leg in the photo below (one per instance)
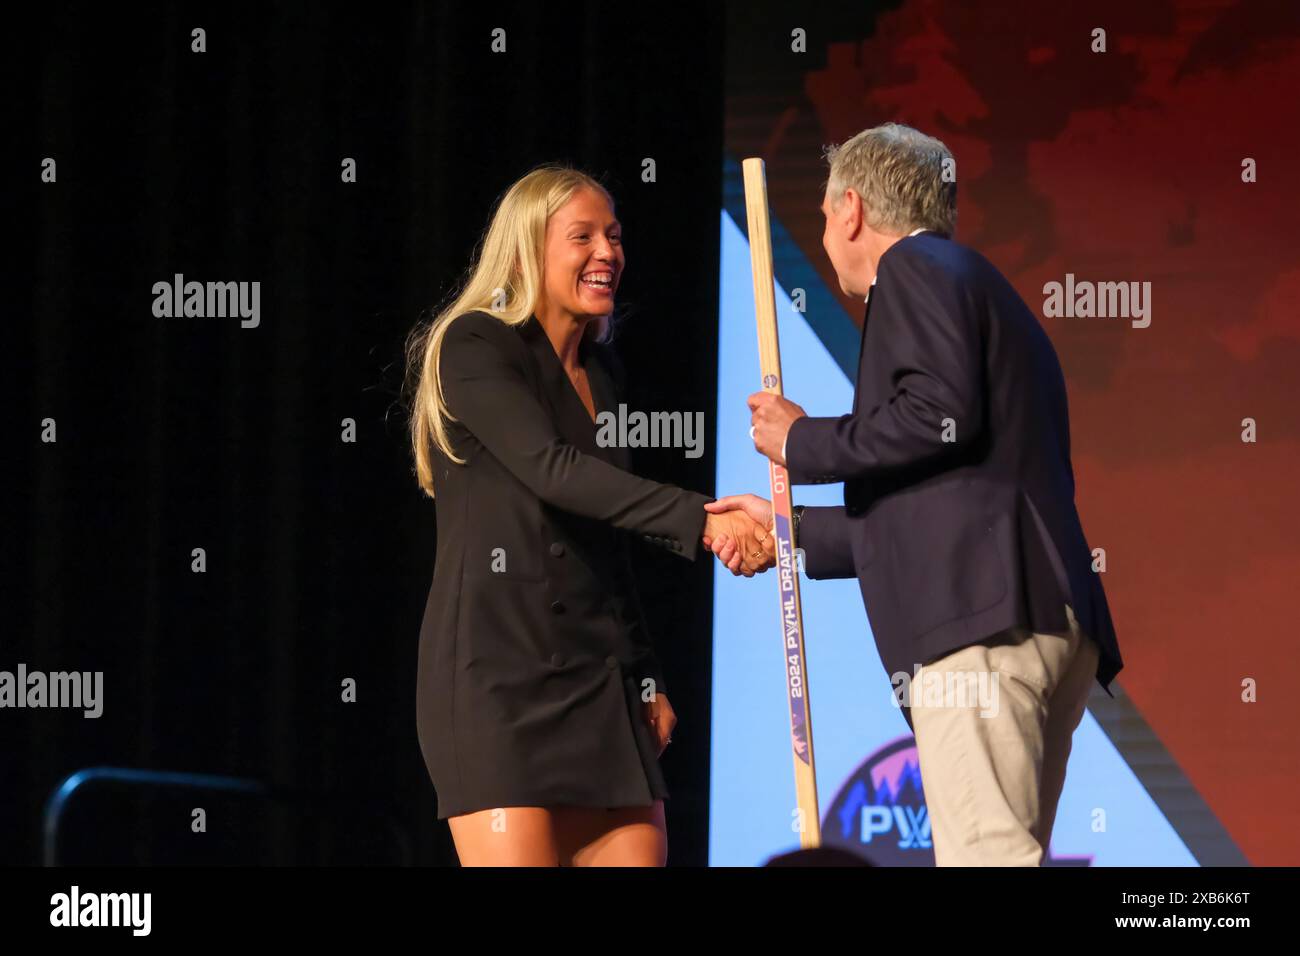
(507, 836)
(623, 836)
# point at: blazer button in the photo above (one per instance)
(611, 663)
(557, 548)
(557, 607)
(557, 660)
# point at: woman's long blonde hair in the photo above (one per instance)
(505, 280)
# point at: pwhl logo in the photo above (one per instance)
(880, 811)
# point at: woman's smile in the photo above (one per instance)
(599, 282)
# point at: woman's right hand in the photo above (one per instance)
(745, 545)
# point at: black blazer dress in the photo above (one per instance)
(533, 648)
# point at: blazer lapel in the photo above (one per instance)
(858, 386)
(605, 397)
(567, 410)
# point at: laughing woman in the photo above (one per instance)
(541, 707)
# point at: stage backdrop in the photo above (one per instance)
(346, 161)
(1156, 151)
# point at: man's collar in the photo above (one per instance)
(909, 236)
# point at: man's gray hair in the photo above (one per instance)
(907, 180)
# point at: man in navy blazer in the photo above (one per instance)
(959, 519)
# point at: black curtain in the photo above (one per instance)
(175, 434)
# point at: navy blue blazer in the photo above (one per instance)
(958, 518)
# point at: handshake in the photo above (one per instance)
(739, 531)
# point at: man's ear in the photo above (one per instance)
(853, 213)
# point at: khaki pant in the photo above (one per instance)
(993, 764)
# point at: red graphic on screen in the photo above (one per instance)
(1127, 165)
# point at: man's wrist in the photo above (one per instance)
(796, 514)
(785, 443)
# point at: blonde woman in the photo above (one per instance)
(542, 710)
